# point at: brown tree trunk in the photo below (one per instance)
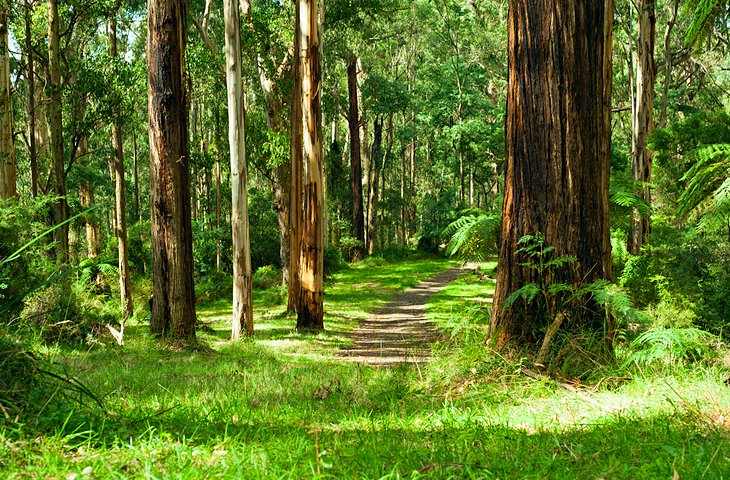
(8, 188)
(30, 78)
(242, 287)
(375, 167)
(60, 210)
(643, 122)
(557, 155)
(125, 290)
(173, 306)
(310, 311)
(353, 121)
(135, 157)
(668, 62)
(86, 193)
(297, 131)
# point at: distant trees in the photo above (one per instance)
(557, 158)
(173, 307)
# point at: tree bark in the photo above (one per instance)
(641, 161)
(668, 63)
(30, 78)
(86, 194)
(557, 155)
(296, 144)
(173, 306)
(310, 312)
(60, 209)
(8, 188)
(242, 295)
(125, 290)
(353, 121)
(135, 158)
(375, 167)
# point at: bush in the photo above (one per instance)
(267, 277)
(213, 285)
(333, 261)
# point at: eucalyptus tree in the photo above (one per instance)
(125, 291)
(643, 121)
(242, 295)
(310, 309)
(557, 161)
(173, 306)
(8, 187)
(60, 210)
(296, 144)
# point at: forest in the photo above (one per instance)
(365, 239)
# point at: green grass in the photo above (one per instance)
(283, 407)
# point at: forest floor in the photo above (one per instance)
(286, 405)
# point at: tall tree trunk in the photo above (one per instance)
(242, 296)
(173, 306)
(135, 158)
(643, 122)
(30, 79)
(297, 132)
(310, 312)
(375, 167)
(8, 188)
(218, 213)
(668, 62)
(557, 155)
(412, 179)
(60, 210)
(125, 290)
(353, 121)
(86, 194)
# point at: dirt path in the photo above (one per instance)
(399, 332)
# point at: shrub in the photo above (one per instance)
(333, 261)
(266, 277)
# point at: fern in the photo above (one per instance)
(671, 345)
(473, 237)
(707, 195)
(623, 197)
(527, 292)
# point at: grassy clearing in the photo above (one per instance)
(283, 407)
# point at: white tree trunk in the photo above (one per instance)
(242, 301)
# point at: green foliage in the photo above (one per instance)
(333, 261)
(708, 187)
(671, 345)
(438, 212)
(263, 229)
(474, 236)
(266, 277)
(35, 394)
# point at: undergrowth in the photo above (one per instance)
(283, 407)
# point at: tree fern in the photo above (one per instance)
(473, 236)
(707, 195)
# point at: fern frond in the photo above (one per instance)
(527, 292)
(708, 181)
(473, 237)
